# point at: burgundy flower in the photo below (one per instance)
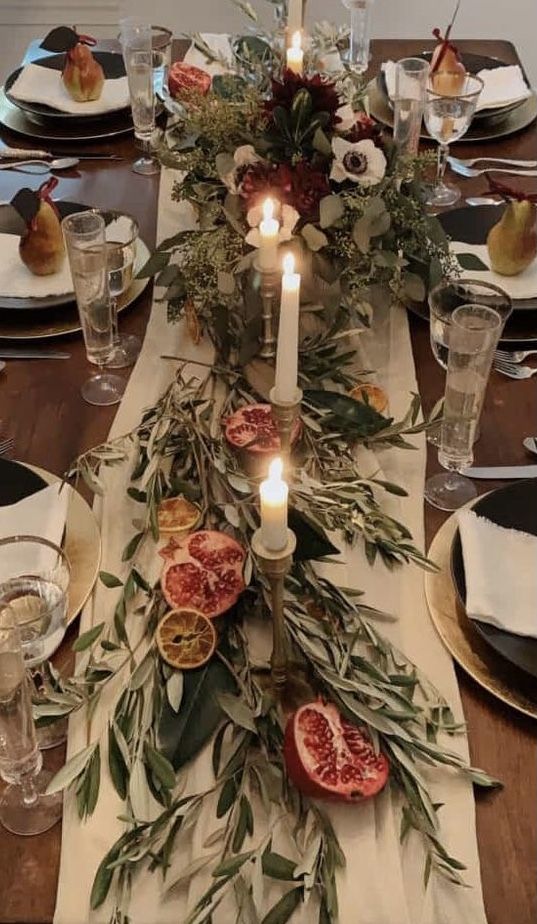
(309, 186)
(324, 95)
(365, 127)
(301, 186)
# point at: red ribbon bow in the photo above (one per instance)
(43, 194)
(508, 193)
(446, 44)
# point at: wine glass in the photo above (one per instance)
(85, 241)
(448, 118)
(24, 807)
(360, 34)
(443, 300)
(34, 585)
(473, 337)
(121, 234)
(136, 43)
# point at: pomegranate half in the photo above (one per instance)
(253, 429)
(203, 571)
(329, 758)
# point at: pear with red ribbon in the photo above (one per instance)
(447, 69)
(41, 247)
(82, 75)
(512, 242)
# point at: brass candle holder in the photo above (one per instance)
(270, 282)
(275, 565)
(285, 414)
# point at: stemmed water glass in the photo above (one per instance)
(360, 34)
(448, 118)
(34, 586)
(24, 807)
(448, 295)
(138, 54)
(121, 233)
(473, 337)
(85, 240)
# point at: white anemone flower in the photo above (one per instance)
(359, 161)
(347, 119)
(243, 157)
(287, 215)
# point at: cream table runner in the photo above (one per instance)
(382, 883)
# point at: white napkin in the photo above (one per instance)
(36, 84)
(42, 514)
(219, 44)
(500, 566)
(16, 281)
(502, 85)
(517, 287)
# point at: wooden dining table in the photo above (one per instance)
(42, 410)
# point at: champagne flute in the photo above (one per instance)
(411, 77)
(24, 807)
(473, 337)
(448, 118)
(360, 35)
(121, 234)
(34, 585)
(136, 42)
(84, 234)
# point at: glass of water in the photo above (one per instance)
(161, 43)
(411, 78)
(473, 336)
(121, 233)
(85, 241)
(448, 118)
(136, 42)
(24, 807)
(360, 35)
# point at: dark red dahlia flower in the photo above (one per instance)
(364, 128)
(301, 186)
(324, 96)
(309, 186)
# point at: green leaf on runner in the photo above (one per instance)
(282, 910)
(311, 540)
(88, 638)
(360, 419)
(109, 580)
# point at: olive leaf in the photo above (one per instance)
(88, 638)
(282, 910)
(362, 419)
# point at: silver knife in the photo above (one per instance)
(502, 472)
(32, 354)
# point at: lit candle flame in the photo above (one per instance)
(268, 209)
(288, 264)
(275, 469)
(296, 40)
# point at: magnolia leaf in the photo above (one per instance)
(155, 264)
(360, 419)
(237, 710)
(109, 580)
(71, 770)
(469, 261)
(87, 638)
(182, 735)
(282, 910)
(314, 238)
(331, 209)
(311, 540)
(174, 690)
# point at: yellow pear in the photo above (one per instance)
(82, 75)
(41, 247)
(512, 243)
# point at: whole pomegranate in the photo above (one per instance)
(203, 571)
(329, 758)
(187, 77)
(253, 428)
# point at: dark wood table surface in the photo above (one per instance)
(41, 408)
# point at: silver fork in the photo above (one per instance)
(470, 161)
(469, 172)
(514, 356)
(514, 372)
(6, 445)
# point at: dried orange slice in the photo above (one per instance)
(370, 394)
(177, 515)
(185, 639)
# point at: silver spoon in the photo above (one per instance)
(530, 443)
(41, 166)
(483, 200)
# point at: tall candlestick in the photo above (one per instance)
(295, 54)
(285, 384)
(294, 16)
(273, 493)
(269, 230)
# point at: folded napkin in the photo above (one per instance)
(517, 287)
(42, 514)
(500, 567)
(16, 281)
(220, 45)
(502, 85)
(37, 84)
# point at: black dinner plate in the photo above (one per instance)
(52, 130)
(473, 64)
(17, 482)
(514, 507)
(113, 67)
(471, 224)
(12, 223)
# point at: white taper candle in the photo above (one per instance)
(273, 495)
(286, 379)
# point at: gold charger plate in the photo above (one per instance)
(82, 545)
(461, 639)
(57, 322)
(484, 130)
